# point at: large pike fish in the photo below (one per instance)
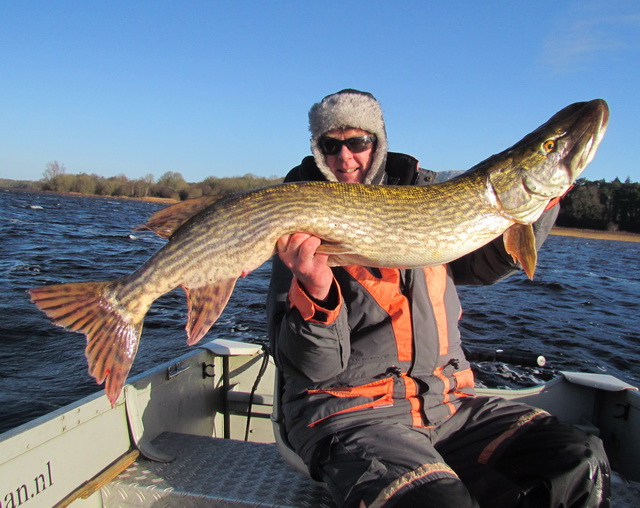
(381, 226)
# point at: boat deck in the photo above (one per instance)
(231, 473)
(213, 472)
(625, 494)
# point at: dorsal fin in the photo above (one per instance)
(165, 222)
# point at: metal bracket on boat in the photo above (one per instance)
(624, 414)
(136, 428)
(175, 370)
(208, 370)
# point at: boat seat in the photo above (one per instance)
(213, 472)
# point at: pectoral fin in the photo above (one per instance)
(335, 248)
(338, 261)
(340, 254)
(205, 305)
(520, 242)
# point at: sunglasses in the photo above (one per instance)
(332, 146)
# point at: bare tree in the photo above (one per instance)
(53, 169)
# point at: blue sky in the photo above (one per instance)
(210, 88)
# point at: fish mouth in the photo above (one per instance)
(587, 133)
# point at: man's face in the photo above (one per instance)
(347, 166)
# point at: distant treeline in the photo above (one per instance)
(600, 205)
(608, 206)
(171, 185)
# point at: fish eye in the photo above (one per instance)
(549, 145)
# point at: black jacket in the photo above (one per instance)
(392, 342)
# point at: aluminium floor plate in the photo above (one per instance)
(213, 472)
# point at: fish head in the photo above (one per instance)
(545, 163)
(562, 148)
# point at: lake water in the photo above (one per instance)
(581, 312)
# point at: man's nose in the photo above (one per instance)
(345, 153)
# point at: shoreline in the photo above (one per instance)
(621, 236)
(150, 199)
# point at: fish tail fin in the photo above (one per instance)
(112, 331)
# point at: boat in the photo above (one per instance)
(204, 430)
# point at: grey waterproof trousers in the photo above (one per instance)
(490, 453)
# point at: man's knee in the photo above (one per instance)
(559, 463)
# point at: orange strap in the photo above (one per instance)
(386, 292)
(436, 285)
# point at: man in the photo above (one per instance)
(378, 397)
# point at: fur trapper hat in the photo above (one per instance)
(355, 109)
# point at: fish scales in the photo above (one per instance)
(211, 245)
(338, 213)
(345, 214)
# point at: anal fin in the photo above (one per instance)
(520, 242)
(205, 304)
